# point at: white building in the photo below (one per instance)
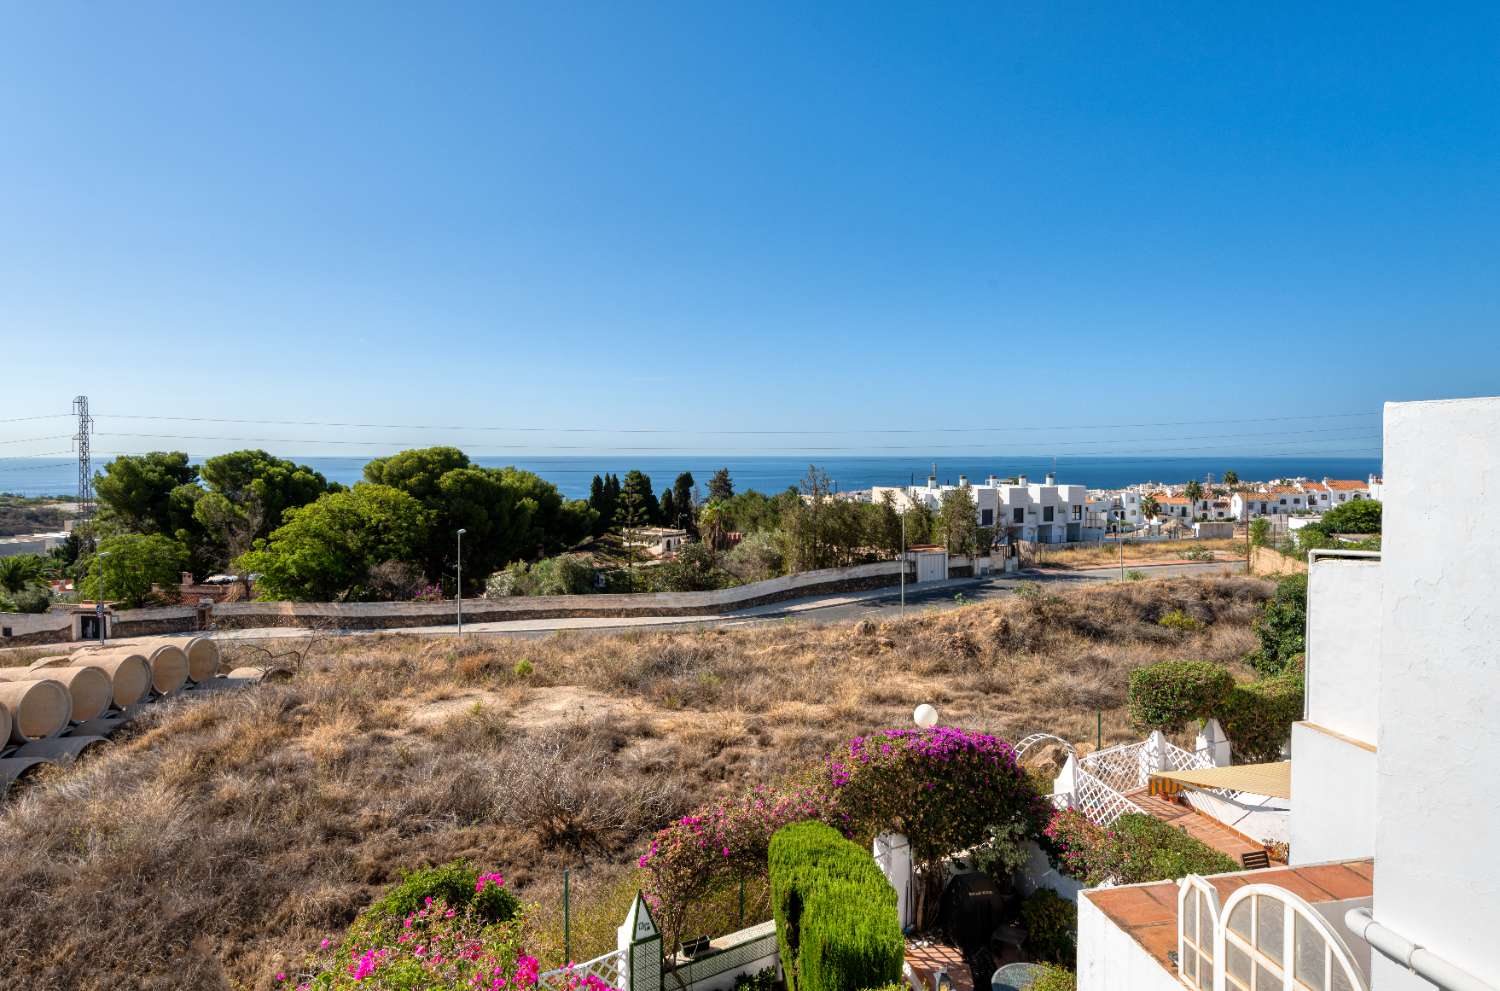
(1393, 883)
(1047, 513)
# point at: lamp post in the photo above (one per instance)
(903, 565)
(99, 599)
(461, 532)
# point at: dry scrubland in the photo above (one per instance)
(1104, 555)
(230, 831)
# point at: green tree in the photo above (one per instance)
(806, 523)
(682, 504)
(668, 508)
(883, 527)
(1150, 507)
(956, 519)
(130, 563)
(1231, 477)
(271, 484)
(137, 491)
(921, 524)
(324, 552)
(720, 486)
(638, 505)
(20, 571)
(602, 500)
(712, 521)
(1359, 516)
(1260, 531)
(1281, 627)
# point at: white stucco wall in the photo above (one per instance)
(1437, 875)
(1333, 797)
(1343, 645)
(1109, 960)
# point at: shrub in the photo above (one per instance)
(1360, 516)
(1134, 575)
(836, 924)
(1136, 849)
(1055, 979)
(457, 883)
(523, 668)
(1260, 531)
(755, 558)
(694, 569)
(1281, 627)
(1168, 694)
(32, 599)
(1180, 621)
(1051, 923)
(761, 980)
(1258, 717)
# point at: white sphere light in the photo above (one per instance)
(925, 716)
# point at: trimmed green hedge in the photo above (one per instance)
(836, 924)
(1051, 924)
(1168, 694)
(1258, 717)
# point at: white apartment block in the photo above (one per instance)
(1046, 513)
(1393, 881)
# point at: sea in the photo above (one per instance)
(573, 473)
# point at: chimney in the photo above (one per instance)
(187, 578)
(1020, 479)
(1051, 478)
(963, 480)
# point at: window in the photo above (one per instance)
(1018, 515)
(1197, 918)
(1283, 500)
(1047, 512)
(1078, 512)
(1271, 940)
(986, 517)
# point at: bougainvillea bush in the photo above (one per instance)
(471, 943)
(942, 787)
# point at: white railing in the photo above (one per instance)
(1106, 778)
(608, 967)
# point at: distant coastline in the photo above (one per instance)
(572, 473)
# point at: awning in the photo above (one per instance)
(1257, 779)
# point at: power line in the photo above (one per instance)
(44, 416)
(29, 440)
(727, 433)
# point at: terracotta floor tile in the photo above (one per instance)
(1339, 881)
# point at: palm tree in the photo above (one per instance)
(1150, 507)
(711, 529)
(19, 571)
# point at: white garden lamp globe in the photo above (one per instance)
(924, 716)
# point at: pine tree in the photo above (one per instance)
(720, 486)
(638, 506)
(681, 514)
(668, 508)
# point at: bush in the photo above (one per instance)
(836, 924)
(1134, 575)
(694, 569)
(523, 668)
(565, 574)
(1055, 979)
(1051, 923)
(32, 599)
(1258, 717)
(1180, 621)
(1136, 849)
(1168, 694)
(756, 558)
(1360, 516)
(456, 883)
(1281, 627)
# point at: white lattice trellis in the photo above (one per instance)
(608, 967)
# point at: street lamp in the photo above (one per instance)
(925, 716)
(461, 532)
(99, 599)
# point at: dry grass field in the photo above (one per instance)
(1106, 555)
(229, 831)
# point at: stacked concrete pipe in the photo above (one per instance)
(37, 709)
(169, 665)
(89, 689)
(202, 657)
(128, 671)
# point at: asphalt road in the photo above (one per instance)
(879, 604)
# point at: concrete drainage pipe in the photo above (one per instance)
(169, 665)
(38, 709)
(88, 688)
(129, 674)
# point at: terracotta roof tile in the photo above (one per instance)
(1347, 485)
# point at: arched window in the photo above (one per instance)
(1271, 940)
(1197, 921)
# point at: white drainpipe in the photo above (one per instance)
(1418, 959)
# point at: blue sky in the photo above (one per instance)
(720, 217)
